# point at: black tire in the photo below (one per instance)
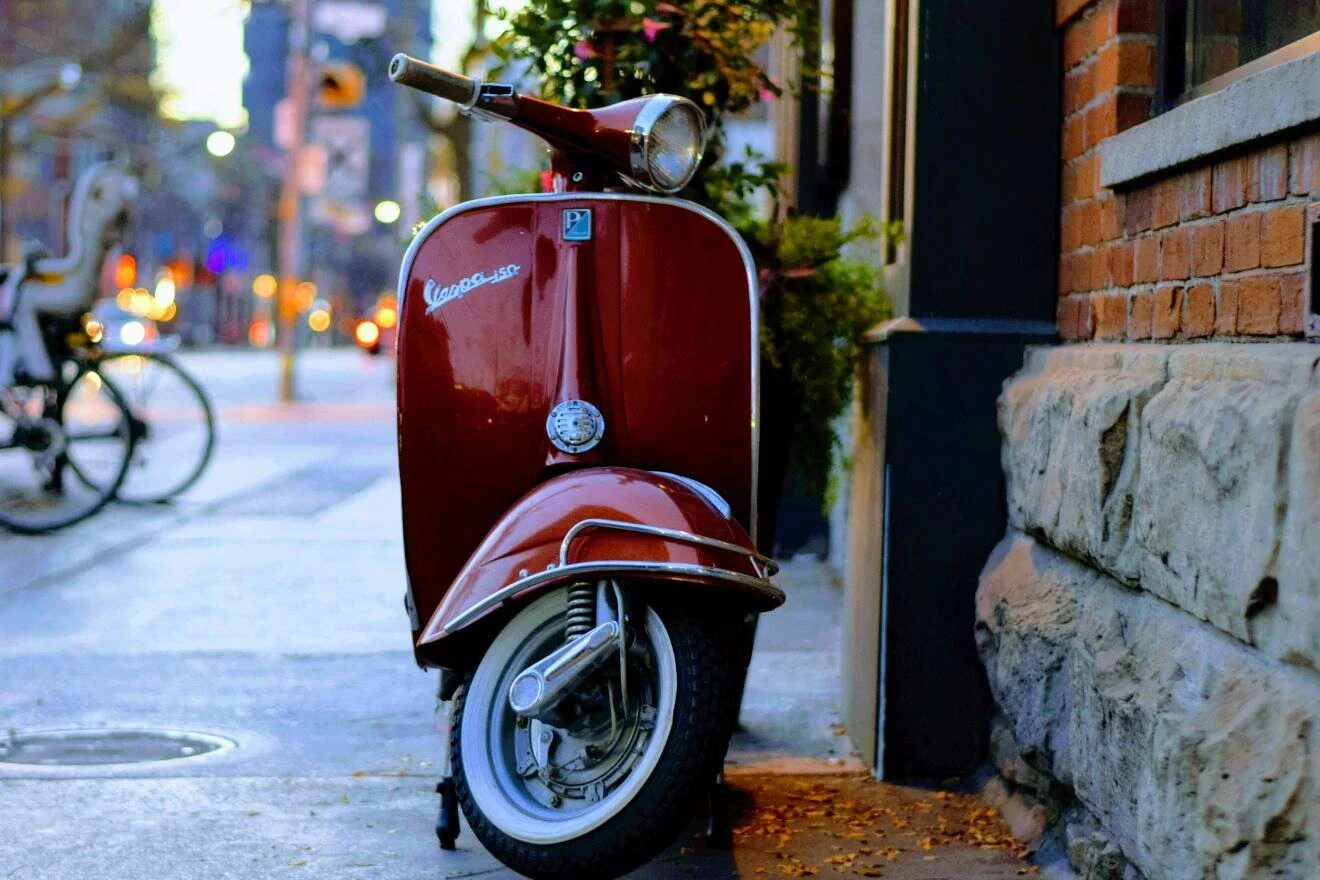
(136, 488)
(102, 490)
(708, 672)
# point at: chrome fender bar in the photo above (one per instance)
(759, 584)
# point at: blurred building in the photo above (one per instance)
(110, 113)
(368, 138)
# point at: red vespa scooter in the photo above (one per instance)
(577, 404)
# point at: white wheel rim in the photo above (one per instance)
(489, 785)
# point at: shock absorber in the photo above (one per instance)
(581, 615)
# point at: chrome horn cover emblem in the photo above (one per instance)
(575, 426)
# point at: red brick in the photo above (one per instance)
(1198, 317)
(1242, 242)
(1136, 17)
(1292, 306)
(1195, 191)
(1139, 319)
(1208, 249)
(1066, 9)
(1168, 203)
(1067, 316)
(1138, 208)
(1101, 276)
(1111, 225)
(1089, 220)
(1099, 268)
(1175, 255)
(1074, 136)
(1120, 263)
(1133, 109)
(1166, 312)
(1082, 271)
(1088, 176)
(1065, 274)
(1230, 185)
(1078, 87)
(1079, 41)
(1106, 66)
(1147, 262)
(1304, 165)
(1136, 62)
(1086, 317)
(1283, 236)
(1226, 309)
(1102, 119)
(1111, 316)
(1106, 21)
(1258, 305)
(1267, 174)
(1070, 234)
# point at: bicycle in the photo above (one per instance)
(173, 422)
(76, 423)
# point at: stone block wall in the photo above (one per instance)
(1151, 622)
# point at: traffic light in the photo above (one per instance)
(341, 86)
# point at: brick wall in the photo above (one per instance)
(1217, 249)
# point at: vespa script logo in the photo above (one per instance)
(437, 295)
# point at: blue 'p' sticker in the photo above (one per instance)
(577, 224)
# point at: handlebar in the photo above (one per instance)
(408, 71)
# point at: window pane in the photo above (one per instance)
(1224, 34)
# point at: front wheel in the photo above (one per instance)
(605, 785)
(173, 425)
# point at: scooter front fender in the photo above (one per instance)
(598, 523)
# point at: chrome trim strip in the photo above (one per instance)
(466, 106)
(764, 565)
(752, 287)
(476, 609)
(716, 500)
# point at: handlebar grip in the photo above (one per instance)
(408, 71)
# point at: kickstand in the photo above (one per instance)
(719, 831)
(446, 824)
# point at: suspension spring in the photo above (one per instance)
(581, 610)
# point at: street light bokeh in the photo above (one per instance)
(220, 143)
(264, 286)
(388, 211)
(70, 75)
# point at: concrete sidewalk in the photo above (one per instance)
(266, 607)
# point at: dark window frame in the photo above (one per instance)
(1171, 38)
(899, 65)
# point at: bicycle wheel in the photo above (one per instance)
(173, 423)
(52, 433)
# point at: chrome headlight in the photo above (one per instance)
(668, 138)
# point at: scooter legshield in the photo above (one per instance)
(513, 307)
(607, 522)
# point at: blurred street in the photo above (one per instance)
(265, 607)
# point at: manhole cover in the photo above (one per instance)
(122, 746)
